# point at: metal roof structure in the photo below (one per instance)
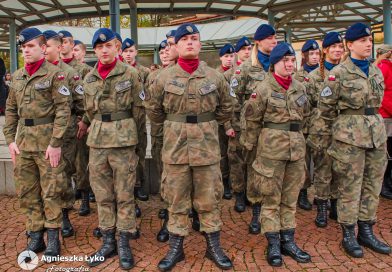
(303, 18)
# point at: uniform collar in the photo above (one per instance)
(118, 69)
(353, 69)
(199, 72)
(42, 70)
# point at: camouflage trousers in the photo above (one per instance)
(279, 183)
(308, 161)
(140, 120)
(237, 164)
(39, 188)
(112, 177)
(325, 186)
(82, 171)
(359, 173)
(252, 190)
(184, 186)
(224, 144)
(69, 154)
(156, 151)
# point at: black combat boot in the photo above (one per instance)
(37, 243)
(163, 234)
(226, 189)
(240, 205)
(138, 211)
(255, 225)
(333, 212)
(350, 243)
(91, 196)
(290, 248)
(274, 257)
(162, 213)
(134, 235)
(53, 248)
(97, 232)
(321, 217)
(140, 194)
(107, 250)
(85, 206)
(195, 220)
(124, 251)
(215, 252)
(303, 201)
(66, 227)
(175, 254)
(367, 238)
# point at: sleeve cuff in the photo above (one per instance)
(85, 119)
(55, 142)
(227, 125)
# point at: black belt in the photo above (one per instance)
(192, 119)
(37, 121)
(287, 126)
(360, 111)
(116, 116)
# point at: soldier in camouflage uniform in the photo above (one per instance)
(129, 54)
(82, 181)
(243, 81)
(350, 101)
(238, 173)
(157, 133)
(226, 55)
(37, 116)
(319, 138)
(272, 125)
(52, 55)
(190, 153)
(310, 61)
(79, 51)
(110, 91)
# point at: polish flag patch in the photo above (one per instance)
(238, 71)
(306, 79)
(60, 77)
(331, 78)
(253, 95)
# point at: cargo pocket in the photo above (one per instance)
(133, 161)
(264, 176)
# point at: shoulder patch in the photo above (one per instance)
(79, 89)
(234, 82)
(249, 110)
(64, 90)
(232, 93)
(326, 92)
(331, 78)
(142, 95)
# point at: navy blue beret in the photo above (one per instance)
(50, 34)
(357, 31)
(171, 33)
(331, 38)
(28, 34)
(77, 42)
(226, 49)
(310, 45)
(162, 45)
(65, 34)
(263, 32)
(118, 37)
(127, 43)
(244, 41)
(185, 29)
(279, 51)
(102, 35)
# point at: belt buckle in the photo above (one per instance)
(191, 119)
(294, 126)
(369, 111)
(29, 122)
(106, 118)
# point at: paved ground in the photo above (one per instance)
(247, 251)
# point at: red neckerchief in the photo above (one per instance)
(284, 82)
(238, 63)
(55, 62)
(68, 60)
(121, 58)
(188, 65)
(31, 68)
(104, 69)
(225, 68)
(134, 64)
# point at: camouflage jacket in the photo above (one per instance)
(44, 94)
(114, 94)
(347, 87)
(301, 75)
(82, 68)
(316, 125)
(177, 92)
(270, 103)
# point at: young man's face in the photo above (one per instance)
(129, 54)
(106, 52)
(227, 60)
(78, 52)
(53, 49)
(171, 49)
(189, 46)
(67, 46)
(244, 53)
(32, 51)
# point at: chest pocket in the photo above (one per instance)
(173, 93)
(209, 97)
(90, 91)
(353, 92)
(277, 102)
(254, 77)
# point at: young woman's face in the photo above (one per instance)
(361, 48)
